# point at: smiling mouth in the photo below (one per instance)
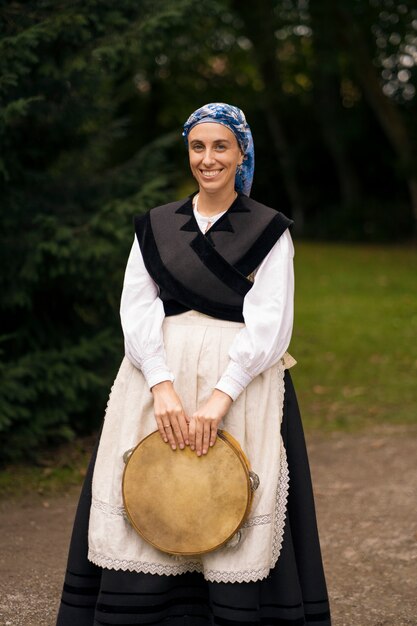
(210, 173)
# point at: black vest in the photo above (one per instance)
(207, 272)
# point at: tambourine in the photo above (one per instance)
(183, 504)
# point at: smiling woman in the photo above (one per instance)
(207, 313)
(214, 157)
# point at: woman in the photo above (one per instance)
(207, 309)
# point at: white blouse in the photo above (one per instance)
(268, 310)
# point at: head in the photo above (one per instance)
(220, 147)
(214, 155)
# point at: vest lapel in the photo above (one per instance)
(205, 248)
(207, 272)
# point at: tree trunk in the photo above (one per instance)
(328, 106)
(385, 110)
(287, 164)
(258, 19)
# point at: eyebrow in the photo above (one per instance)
(215, 141)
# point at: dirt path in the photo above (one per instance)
(366, 496)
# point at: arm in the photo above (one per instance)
(142, 315)
(268, 313)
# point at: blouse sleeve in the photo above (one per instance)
(142, 314)
(268, 311)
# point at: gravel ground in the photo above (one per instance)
(366, 497)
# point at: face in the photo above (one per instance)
(214, 156)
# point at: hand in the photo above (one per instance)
(169, 414)
(205, 421)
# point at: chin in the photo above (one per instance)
(214, 186)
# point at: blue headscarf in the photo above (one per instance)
(234, 119)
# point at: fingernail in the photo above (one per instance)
(204, 451)
(198, 453)
(174, 447)
(181, 446)
(192, 448)
(187, 442)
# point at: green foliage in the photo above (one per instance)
(60, 313)
(66, 221)
(42, 390)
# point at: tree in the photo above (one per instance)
(356, 26)
(259, 26)
(327, 78)
(67, 205)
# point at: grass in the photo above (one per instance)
(355, 335)
(57, 469)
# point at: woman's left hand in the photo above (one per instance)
(203, 425)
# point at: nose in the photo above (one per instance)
(208, 157)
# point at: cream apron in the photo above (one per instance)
(197, 353)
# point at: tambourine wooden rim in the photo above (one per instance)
(190, 489)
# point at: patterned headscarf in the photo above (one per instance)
(234, 119)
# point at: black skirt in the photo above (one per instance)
(293, 594)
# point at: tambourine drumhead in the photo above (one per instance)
(185, 504)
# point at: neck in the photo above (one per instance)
(212, 203)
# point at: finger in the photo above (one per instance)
(161, 428)
(206, 436)
(213, 434)
(170, 434)
(199, 437)
(191, 433)
(177, 431)
(183, 424)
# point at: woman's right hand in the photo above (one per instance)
(169, 414)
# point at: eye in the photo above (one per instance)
(197, 147)
(220, 147)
